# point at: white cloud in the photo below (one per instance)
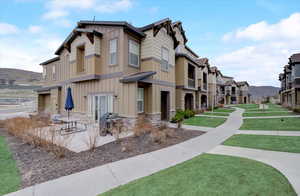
(61, 8)
(260, 59)
(6, 29)
(109, 6)
(25, 52)
(35, 29)
(288, 28)
(54, 14)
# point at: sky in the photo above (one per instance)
(249, 40)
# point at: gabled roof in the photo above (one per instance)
(242, 83)
(213, 69)
(295, 58)
(124, 24)
(50, 61)
(230, 82)
(164, 23)
(202, 61)
(74, 34)
(178, 24)
(137, 76)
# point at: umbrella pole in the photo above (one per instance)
(68, 120)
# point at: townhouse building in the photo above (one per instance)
(290, 83)
(112, 66)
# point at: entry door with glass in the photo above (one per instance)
(100, 105)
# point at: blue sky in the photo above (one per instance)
(250, 40)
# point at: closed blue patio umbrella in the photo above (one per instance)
(69, 104)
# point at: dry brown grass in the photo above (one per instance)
(37, 132)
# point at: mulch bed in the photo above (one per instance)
(37, 165)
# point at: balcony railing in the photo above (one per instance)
(191, 83)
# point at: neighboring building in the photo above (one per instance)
(290, 83)
(116, 67)
(243, 95)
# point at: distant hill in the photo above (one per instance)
(263, 91)
(20, 76)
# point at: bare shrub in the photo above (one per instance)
(117, 128)
(92, 138)
(161, 133)
(142, 126)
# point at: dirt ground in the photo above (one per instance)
(37, 165)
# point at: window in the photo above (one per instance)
(134, 53)
(164, 59)
(140, 100)
(297, 70)
(53, 72)
(98, 105)
(44, 73)
(80, 58)
(113, 52)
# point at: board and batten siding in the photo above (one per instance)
(124, 95)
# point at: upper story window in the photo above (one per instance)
(134, 53)
(164, 59)
(53, 72)
(80, 58)
(297, 70)
(44, 73)
(113, 51)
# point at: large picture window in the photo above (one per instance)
(140, 100)
(113, 44)
(164, 59)
(134, 53)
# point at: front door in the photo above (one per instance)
(165, 105)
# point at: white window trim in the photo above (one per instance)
(109, 53)
(53, 72)
(91, 104)
(44, 73)
(140, 100)
(164, 48)
(139, 48)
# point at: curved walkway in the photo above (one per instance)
(287, 163)
(103, 178)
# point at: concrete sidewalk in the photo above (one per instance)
(287, 163)
(103, 178)
(258, 132)
(289, 116)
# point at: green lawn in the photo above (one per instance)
(216, 114)
(276, 124)
(9, 175)
(266, 142)
(248, 106)
(268, 114)
(267, 110)
(204, 121)
(210, 174)
(229, 110)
